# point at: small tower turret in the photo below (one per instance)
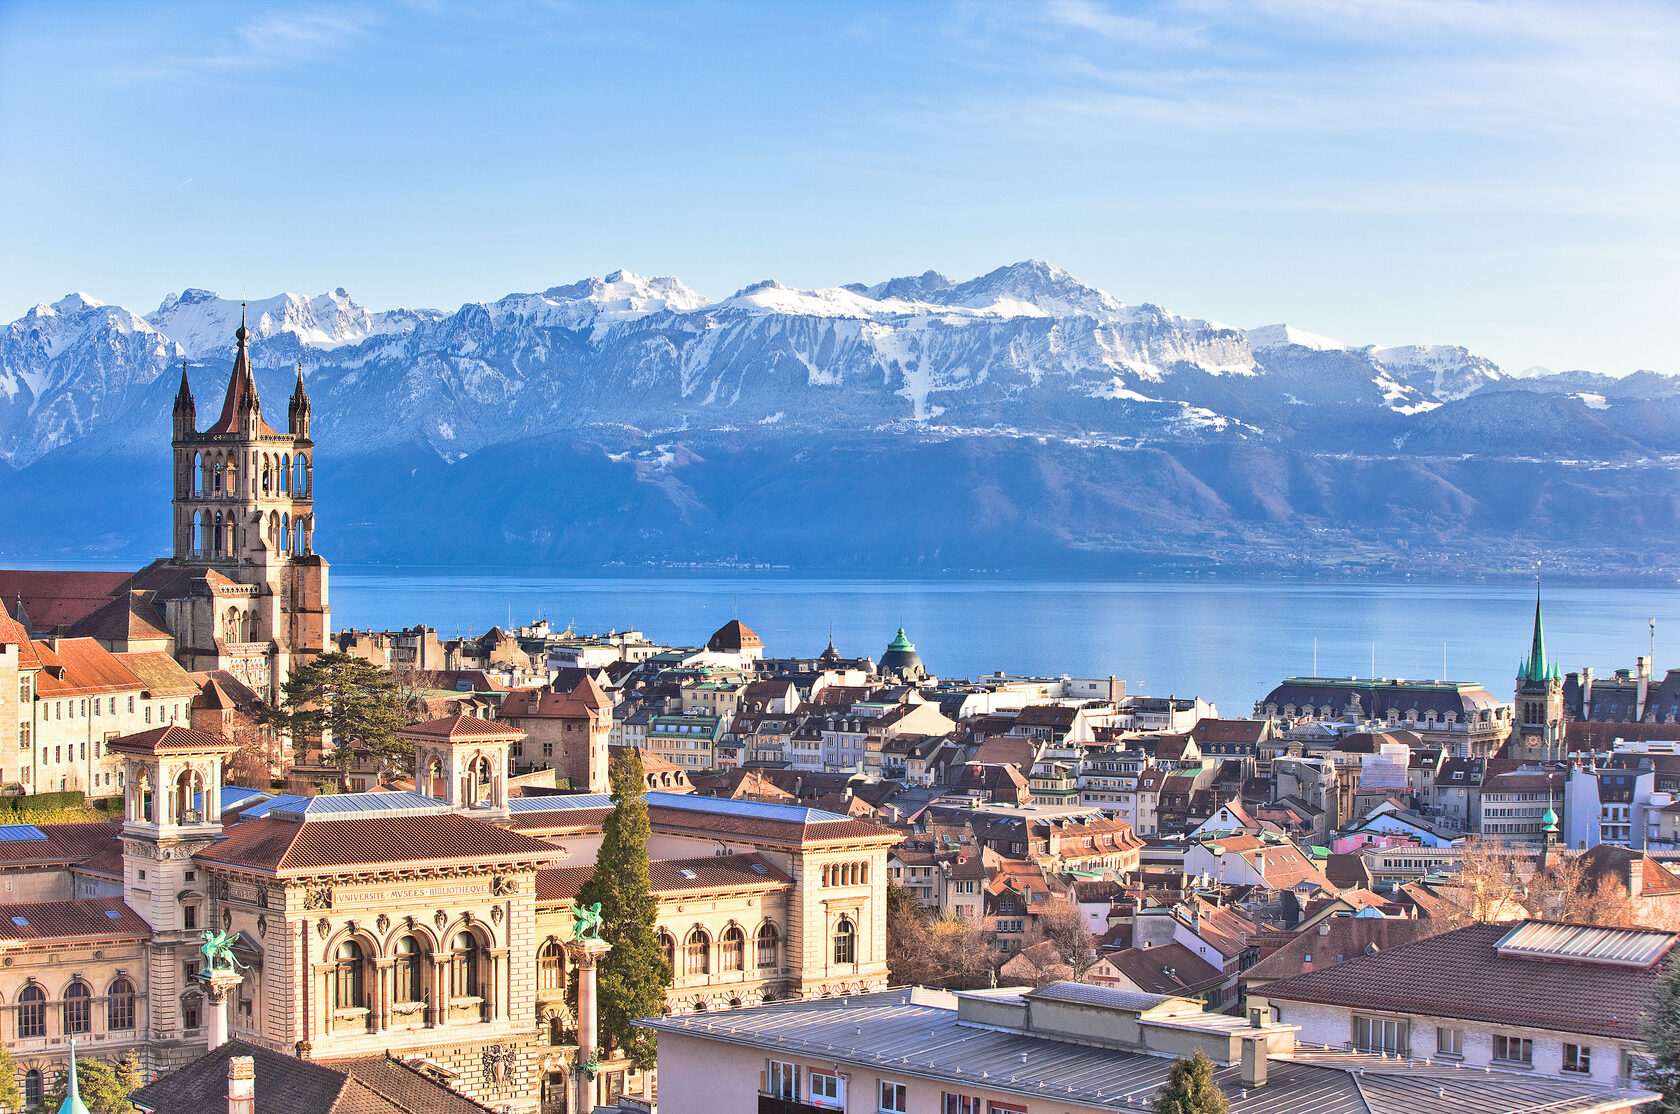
(297, 413)
(186, 415)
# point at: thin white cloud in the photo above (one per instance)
(274, 40)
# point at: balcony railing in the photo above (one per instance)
(770, 1104)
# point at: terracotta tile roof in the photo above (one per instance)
(462, 727)
(1609, 863)
(164, 580)
(88, 667)
(129, 616)
(1168, 968)
(1228, 730)
(1343, 938)
(86, 918)
(671, 876)
(161, 674)
(174, 738)
(1460, 974)
(286, 848)
(54, 600)
(66, 844)
(13, 634)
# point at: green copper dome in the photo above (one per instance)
(1549, 822)
(900, 643)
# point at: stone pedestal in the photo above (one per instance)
(584, 955)
(217, 982)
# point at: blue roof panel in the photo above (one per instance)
(20, 833)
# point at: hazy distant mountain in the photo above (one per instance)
(644, 397)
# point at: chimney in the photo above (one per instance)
(1254, 1063)
(242, 1086)
(1636, 876)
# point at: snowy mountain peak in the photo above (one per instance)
(1268, 337)
(620, 297)
(1033, 288)
(203, 322)
(72, 303)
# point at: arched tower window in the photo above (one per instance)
(78, 1009)
(198, 474)
(198, 534)
(285, 533)
(267, 475)
(845, 941)
(286, 474)
(187, 787)
(216, 478)
(300, 476)
(216, 540)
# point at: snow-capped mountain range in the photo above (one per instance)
(629, 418)
(1024, 345)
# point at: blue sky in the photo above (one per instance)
(1502, 175)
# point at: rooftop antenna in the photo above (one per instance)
(1653, 642)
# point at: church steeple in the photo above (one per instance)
(186, 414)
(241, 408)
(1536, 668)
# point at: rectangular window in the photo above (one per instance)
(782, 1080)
(189, 916)
(1004, 1108)
(961, 1104)
(828, 1090)
(1577, 1057)
(131, 704)
(894, 1098)
(1513, 1050)
(1379, 1034)
(1449, 1042)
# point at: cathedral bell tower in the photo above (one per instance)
(1539, 701)
(244, 510)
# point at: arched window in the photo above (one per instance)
(286, 474)
(732, 949)
(198, 534)
(464, 968)
(285, 533)
(435, 785)
(198, 473)
(769, 945)
(188, 787)
(407, 985)
(478, 781)
(347, 976)
(668, 945)
(267, 476)
(300, 477)
(845, 941)
(548, 966)
(32, 1012)
(78, 1009)
(216, 542)
(119, 1004)
(32, 1088)
(216, 478)
(697, 953)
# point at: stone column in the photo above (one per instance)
(217, 983)
(584, 954)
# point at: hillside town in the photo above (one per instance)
(875, 887)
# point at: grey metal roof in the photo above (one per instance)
(758, 810)
(896, 1033)
(20, 833)
(342, 806)
(1098, 996)
(560, 803)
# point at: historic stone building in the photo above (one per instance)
(1539, 720)
(427, 925)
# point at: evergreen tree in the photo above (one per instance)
(11, 1095)
(1661, 1069)
(352, 698)
(631, 979)
(1190, 1088)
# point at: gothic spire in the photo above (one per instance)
(1536, 668)
(241, 409)
(183, 394)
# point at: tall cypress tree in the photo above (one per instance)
(632, 978)
(1190, 1088)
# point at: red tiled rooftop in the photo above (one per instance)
(80, 919)
(286, 848)
(462, 727)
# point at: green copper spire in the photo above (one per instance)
(1535, 668)
(72, 1103)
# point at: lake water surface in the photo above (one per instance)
(1229, 642)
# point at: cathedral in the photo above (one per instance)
(243, 591)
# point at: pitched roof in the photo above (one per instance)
(171, 739)
(1169, 968)
(274, 845)
(87, 666)
(56, 599)
(78, 919)
(1461, 974)
(159, 672)
(733, 637)
(129, 616)
(462, 727)
(1341, 939)
(289, 1085)
(63, 844)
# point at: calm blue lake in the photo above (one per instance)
(1229, 642)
